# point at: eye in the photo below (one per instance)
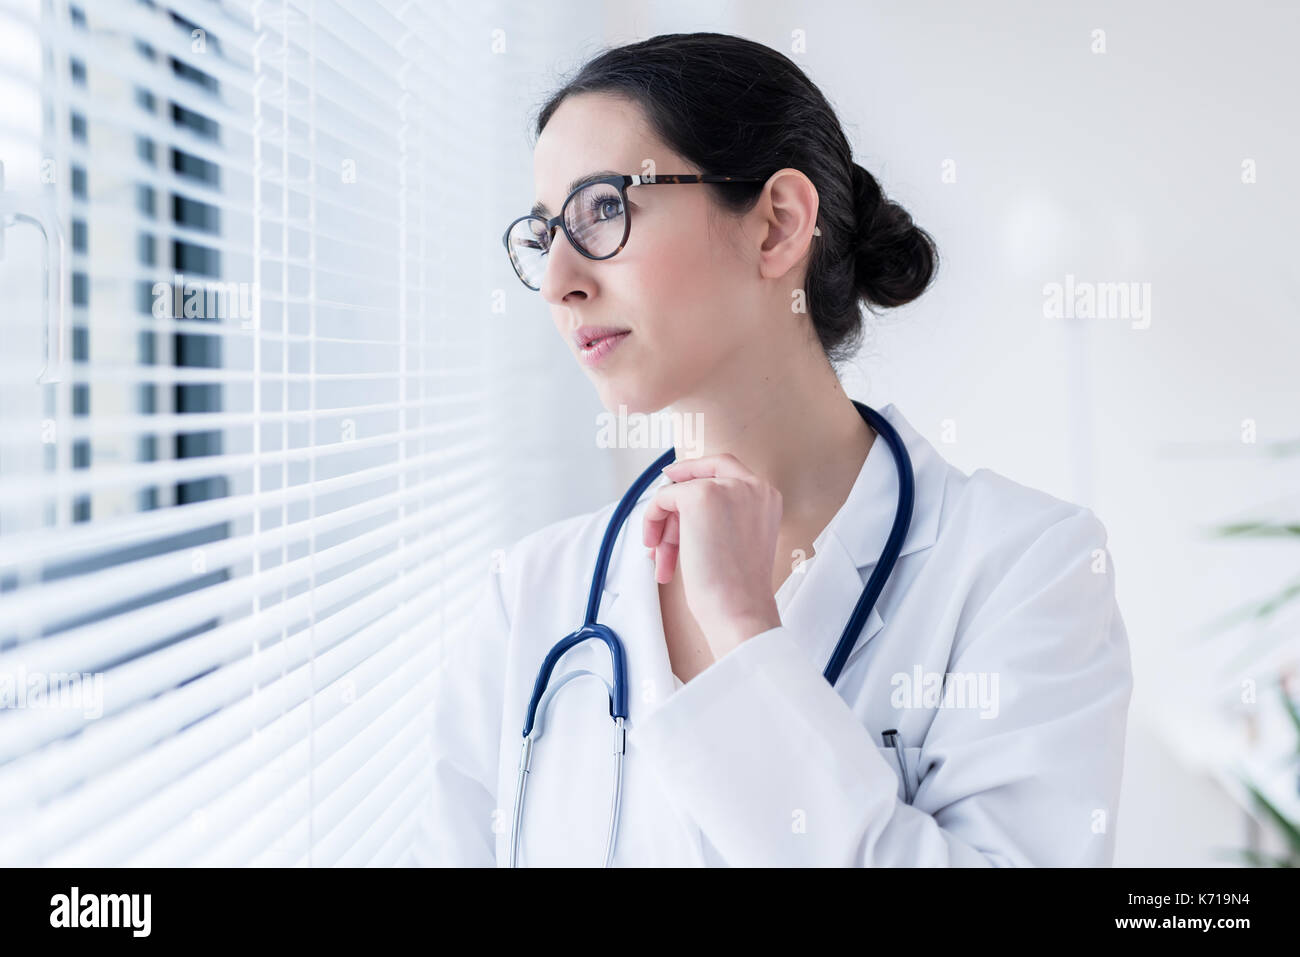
(525, 243)
(605, 207)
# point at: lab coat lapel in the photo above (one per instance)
(821, 607)
(839, 571)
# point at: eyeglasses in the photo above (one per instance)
(594, 217)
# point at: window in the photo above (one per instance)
(235, 527)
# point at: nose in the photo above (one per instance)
(567, 271)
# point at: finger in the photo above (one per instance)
(672, 530)
(652, 528)
(666, 548)
(661, 507)
(665, 563)
(723, 465)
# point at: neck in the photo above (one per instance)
(793, 425)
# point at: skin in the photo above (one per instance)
(708, 299)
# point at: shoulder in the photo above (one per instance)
(1001, 544)
(1030, 556)
(985, 518)
(1018, 514)
(1025, 587)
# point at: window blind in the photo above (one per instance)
(266, 481)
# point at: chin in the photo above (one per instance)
(627, 398)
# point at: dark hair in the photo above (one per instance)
(734, 106)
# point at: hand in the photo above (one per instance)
(722, 520)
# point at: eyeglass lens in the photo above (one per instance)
(595, 219)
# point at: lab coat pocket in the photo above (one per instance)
(912, 758)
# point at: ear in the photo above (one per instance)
(789, 207)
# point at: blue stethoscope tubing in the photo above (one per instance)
(617, 691)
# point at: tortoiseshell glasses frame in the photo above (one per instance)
(538, 232)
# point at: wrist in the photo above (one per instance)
(741, 628)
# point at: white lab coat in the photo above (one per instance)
(757, 760)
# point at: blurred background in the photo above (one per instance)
(271, 397)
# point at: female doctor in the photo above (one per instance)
(977, 714)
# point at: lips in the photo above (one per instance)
(587, 336)
(601, 346)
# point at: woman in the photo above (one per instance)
(995, 651)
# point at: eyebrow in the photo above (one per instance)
(541, 209)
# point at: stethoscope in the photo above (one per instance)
(617, 692)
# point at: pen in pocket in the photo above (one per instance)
(894, 740)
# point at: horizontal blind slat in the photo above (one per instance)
(112, 586)
(97, 646)
(32, 548)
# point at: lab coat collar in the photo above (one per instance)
(849, 549)
(845, 553)
(862, 524)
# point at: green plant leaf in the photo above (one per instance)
(1283, 450)
(1257, 530)
(1257, 859)
(1289, 829)
(1255, 609)
(1292, 710)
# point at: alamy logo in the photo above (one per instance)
(1098, 300)
(204, 299)
(975, 690)
(658, 430)
(102, 910)
(53, 690)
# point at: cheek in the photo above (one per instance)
(682, 294)
(681, 268)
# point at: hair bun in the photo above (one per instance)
(895, 259)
